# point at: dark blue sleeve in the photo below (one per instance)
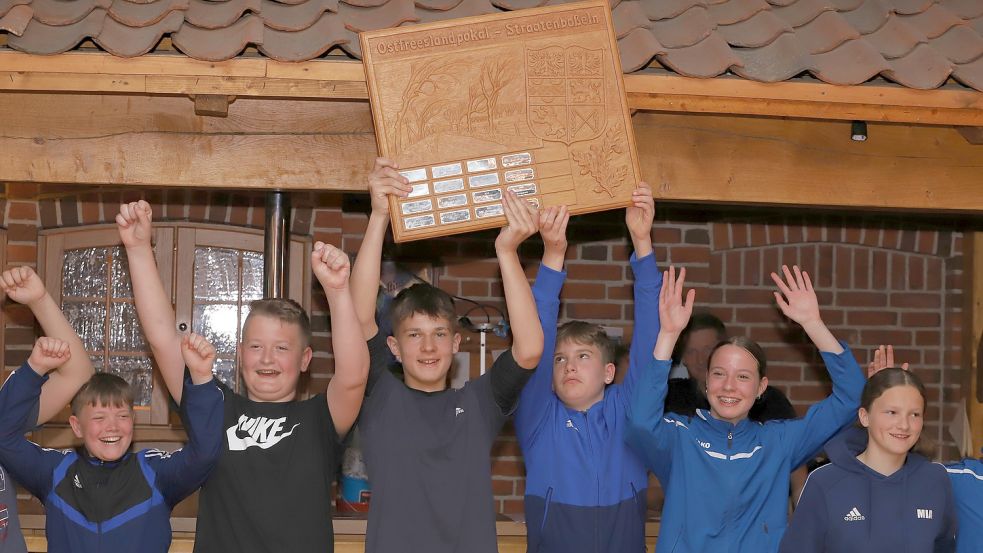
(648, 284)
(648, 432)
(806, 531)
(30, 465)
(182, 472)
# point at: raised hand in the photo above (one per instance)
(674, 313)
(553, 228)
(22, 285)
(331, 266)
(199, 356)
(883, 359)
(385, 180)
(48, 354)
(523, 222)
(797, 299)
(640, 215)
(134, 223)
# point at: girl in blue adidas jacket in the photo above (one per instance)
(726, 477)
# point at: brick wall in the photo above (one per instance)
(881, 279)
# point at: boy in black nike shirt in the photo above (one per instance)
(271, 490)
(427, 448)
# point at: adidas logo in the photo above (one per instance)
(854, 515)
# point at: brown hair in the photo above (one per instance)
(747, 345)
(103, 389)
(284, 310)
(589, 334)
(885, 379)
(425, 299)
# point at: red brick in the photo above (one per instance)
(759, 235)
(776, 233)
(583, 290)
(916, 273)
(681, 255)
(916, 300)
(927, 337)
(18, 232)
(716, 270)
(501, 486)
(878, 270)
(861, 268)
(871, 318)
(512, 506)
(926, 241)
(507, 467)
(752, 268)
(697, 236)
(23, 211)
(49, 213)
(733, 266)
(739, 234)
(594, 311)
(22, 190)
(844, 268)
(622, 292)
(721, 236)
(594, 271)
(808, 392)
(663, 234)
(474, 288)
(90, 208)
(782, 372)
(814, 233)
(324, 218)
(506, 448)
(752, 296)
(890, 238)
(885, 337)
(851, 235)
(697, 275)
(862, 299)
(908, 240)
(765, 314)
(18, 254)
(932, 320)
(934, 268)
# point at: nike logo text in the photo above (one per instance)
(260, 432)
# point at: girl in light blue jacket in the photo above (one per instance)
(726, 477)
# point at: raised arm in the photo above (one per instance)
(154, 309)
(182, 472)
(23, 286)
(534, 400)
(647, 431)
(347, 387)
(527, 333)
(29, 464)
(797, 300)
(383, 181)
(648, 283)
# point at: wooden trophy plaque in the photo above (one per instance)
(531, 101)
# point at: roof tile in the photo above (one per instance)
(141, 15)
(16, 19)
(977, 24)
(7, 5)
(687, 29)
(960, 44)
(217, 15)
(707, 58)
(669, 9)
(303, 45)
(869, 17)
(512, 5)
(780, 60)
(895, 38)
(466, 8)
(219, 44)
(735, 11)
(934, 22)
(760, 30)
(295, 18)
(125, 41)
(60, 13)
(853, 62)
(39, 38)
(970, 74)
(911, 7)
(803, 11)
(966, 9)
(627, 17)
(825, 33)
(438, 5)
(392, 14)
(637, 50)
(845, 5)
(923, 68)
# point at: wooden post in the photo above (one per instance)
(973, 335)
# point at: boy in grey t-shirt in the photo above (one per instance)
(427, 447)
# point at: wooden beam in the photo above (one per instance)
(796, 162)
(655, 90)
(317, 144)
(212, 105)
(972, 345)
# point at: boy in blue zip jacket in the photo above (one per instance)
(967, 488)
(102, 497)
(726, 477)
(585, 489)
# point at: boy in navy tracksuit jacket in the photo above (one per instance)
(103, 498)
(585, 490)
(967, 487)
(848, 507)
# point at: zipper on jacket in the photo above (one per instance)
(730, 438)
(597, 481)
